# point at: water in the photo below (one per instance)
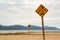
(15, 31)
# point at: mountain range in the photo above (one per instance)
(21, 27)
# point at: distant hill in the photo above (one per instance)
(14, 27)
(21, 27)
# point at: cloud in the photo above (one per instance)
(23, 12)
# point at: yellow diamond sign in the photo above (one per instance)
(41, 10)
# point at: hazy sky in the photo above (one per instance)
(22, 12)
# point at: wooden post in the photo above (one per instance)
(43, 27)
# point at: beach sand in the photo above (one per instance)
(31, 36)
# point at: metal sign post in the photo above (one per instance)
(41, 11)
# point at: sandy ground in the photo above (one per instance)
(32, 36)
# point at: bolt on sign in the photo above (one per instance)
(41, 10)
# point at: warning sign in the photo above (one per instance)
(41, 10)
